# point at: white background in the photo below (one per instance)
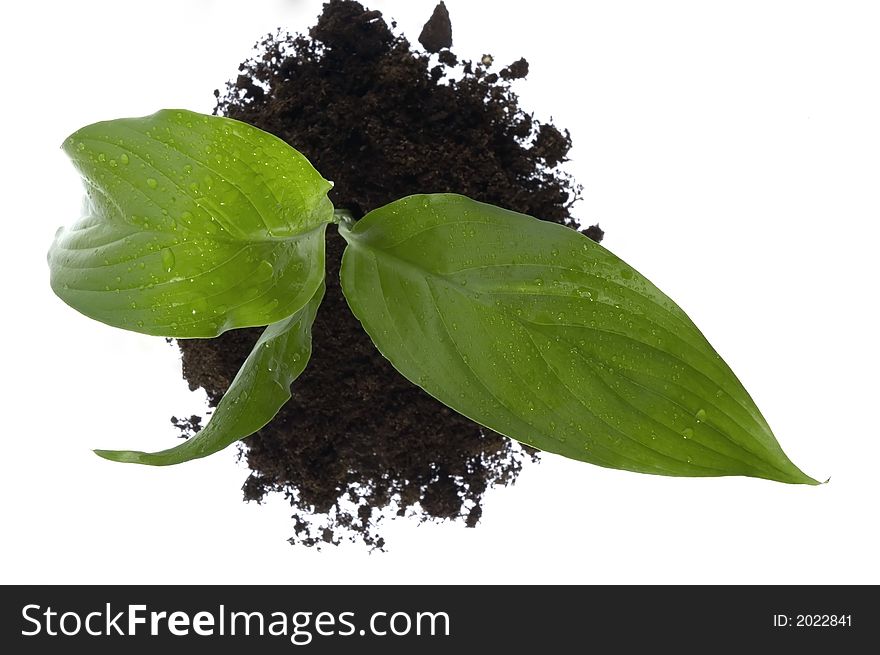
(730, 150)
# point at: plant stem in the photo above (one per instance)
(343, 217)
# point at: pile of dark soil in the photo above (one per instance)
(382, 120)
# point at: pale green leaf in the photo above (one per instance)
(258, 391)
(192, 225)
(533, 330)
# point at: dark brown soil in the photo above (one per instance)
(437, 32)
(358, 442)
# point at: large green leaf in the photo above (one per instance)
(192, 225)
(533, 330)
(258, 391)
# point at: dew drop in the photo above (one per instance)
(123, 159)
(700, 415)
(539, 282)
(151, 182)
(80, 146)
(263, 272)
(627, 274)
(102, 157)
(167, 260)
(687, 433)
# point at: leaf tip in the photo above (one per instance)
(124, 456)
(802, 478)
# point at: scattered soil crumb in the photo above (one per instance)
(437, 32)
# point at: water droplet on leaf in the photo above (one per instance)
(263, 271)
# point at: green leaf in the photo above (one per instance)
(259, 390)
(534, 331)
(192, 225)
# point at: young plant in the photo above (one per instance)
(194, 225)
